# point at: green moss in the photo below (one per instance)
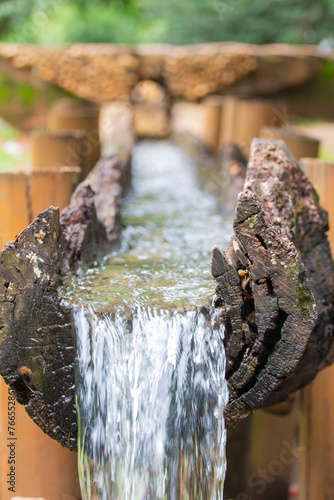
(252, 221)
(304, 300)
(292, 267)
(316, 198)
(278, 343)
(293, 218)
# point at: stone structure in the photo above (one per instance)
(106, 72)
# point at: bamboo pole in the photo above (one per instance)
(52, 187)
(300, 145)
(57, 149)
(42, 467)
(317, 429)
(14, 205)
(71, 114)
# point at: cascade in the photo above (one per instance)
(150, 386)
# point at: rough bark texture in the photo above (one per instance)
(37, 344)
(274, 290)
(274, 284)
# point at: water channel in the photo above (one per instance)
(151, 387)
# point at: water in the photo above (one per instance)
(151, 387)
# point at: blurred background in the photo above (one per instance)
(176, 22)
(97, 100)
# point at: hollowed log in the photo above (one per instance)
(37, 342)
(274, 284)
(274, 290)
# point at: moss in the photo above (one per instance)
(292, 267)
(304, 300)
(316, 198)
(278, 343)
(293, 219)
(252, 221)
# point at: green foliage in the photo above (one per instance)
(10, 162)
(7, 133)
(175, 21)
(326, 154)
(12, 14)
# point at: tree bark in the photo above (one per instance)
(37, 341)
(274, 284)
(274, 290)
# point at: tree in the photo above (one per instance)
(175, 21)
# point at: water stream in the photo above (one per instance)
(151, 387)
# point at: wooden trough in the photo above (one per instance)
(274, 290)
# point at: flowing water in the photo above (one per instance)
(151, 387)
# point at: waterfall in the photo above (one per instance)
(151, 392)
(150, 386)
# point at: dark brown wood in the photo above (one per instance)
(274, 290)
(37, 342)
(274, 284)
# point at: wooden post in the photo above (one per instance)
(150, 121)
(317, 429)
(229, 121)
(71, 114)
(52, 187)
(151, 117)
(301, 146)
(42, 467)
(253, 115)
(243, 119)
(201, 121)
(57, 149)
(272, 454)
(321, 174)
(23, 196)
(14, 205)
(213, 114)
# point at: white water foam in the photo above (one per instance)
(151, 393)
